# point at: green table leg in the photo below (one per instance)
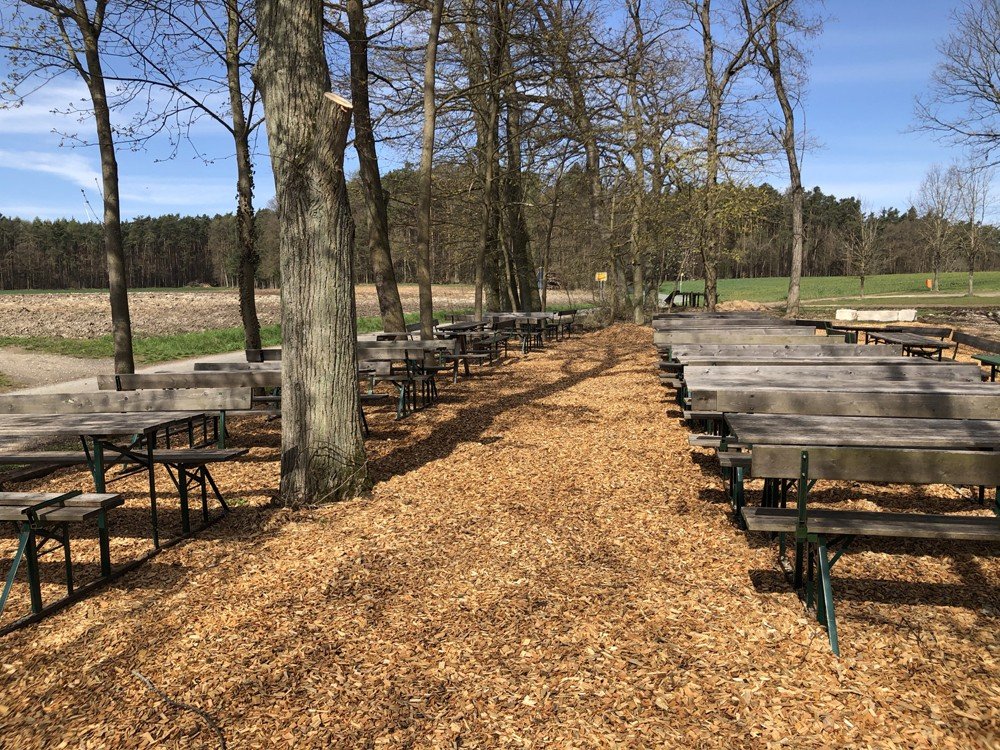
(151, 471)
(826, 601)
(97, 467)
(22, 545)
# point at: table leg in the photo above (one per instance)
(97, 466)
(182, 489)
(24, 529)
(103, 541)
(151, 470)
(34, 584)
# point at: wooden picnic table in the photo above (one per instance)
(992, 360)
(799, 430)
(795, 450)
(891, 399)
(913, 344)
(817, 349)
(463, 327)
(856, 328)
(98, 432)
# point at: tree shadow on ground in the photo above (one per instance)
(887, 591)
(472, 421)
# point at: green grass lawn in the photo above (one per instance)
(153, 349)
(775, 289)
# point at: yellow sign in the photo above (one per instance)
(601, 276)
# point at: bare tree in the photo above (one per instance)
(973, 188)
(963, 104)
(199, 54)
(322, 449)
(937, 201)
(785, 65)
(721, 64)
(379, 246)
(65, 36)
(863, 247)
(426, 164)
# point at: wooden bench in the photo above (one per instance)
(933, 332)
(105, 413)
(405, 365)
(666, 340)
(661, 324)
(989, 347)
(818, 532)
(565, 320)
(188, 469)
(43, 518)
(264, 387)
(874, 399)
(272, 354)
(704, 315)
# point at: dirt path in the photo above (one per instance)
(29, 369)
(543, 562)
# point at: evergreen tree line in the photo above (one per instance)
(176, 251)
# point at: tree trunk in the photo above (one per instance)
(638, 285)
(424, 180)
(484, 97)
(121, 321)
(972, 271)
(795, 274)
(389, 304)
(322, 450)
(246, 234)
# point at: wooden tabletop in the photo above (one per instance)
(112, 424)
(792, 429)
(913, 339)
(472, 325)
(870, 327)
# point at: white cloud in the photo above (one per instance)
(30, 211)
(43, 111)
(73, 168)
(205, 195)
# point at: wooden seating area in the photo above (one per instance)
(42, 522)
(792, 414)
(989, 350)
(176, 423)
(120, 433)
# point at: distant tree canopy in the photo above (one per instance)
(172, 251)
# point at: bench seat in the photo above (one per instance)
(14, 506)
(62, 458)
(197, 456)
(873, 523)
(735, 460)
(41, 520)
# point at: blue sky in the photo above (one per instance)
(872, 59)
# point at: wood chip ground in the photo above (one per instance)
(543, 562)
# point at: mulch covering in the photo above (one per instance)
(543, 561)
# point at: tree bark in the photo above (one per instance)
(424, 180)
(518, 229)
(246, 232)
(121, 321)
(389, 304)
(322, 450)
(771, 56)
